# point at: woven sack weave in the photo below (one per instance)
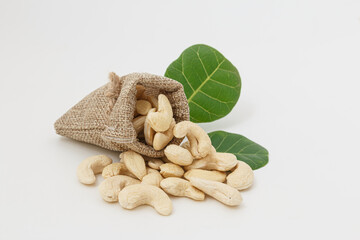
(104, 117)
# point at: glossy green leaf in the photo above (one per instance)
(245, 150)
(211, 83)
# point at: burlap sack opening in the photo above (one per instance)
(104, 117)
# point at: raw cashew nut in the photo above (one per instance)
(160, 121)
(205, 174)
(215, 161)
(220, 191)
(162, 139)
(152, 178)
(200, 143)
(242, 177)
(90, 166)
(181, 188)
(154, 101)
(110, 187)
(148, 130)
(142, 107)
(140, 89)
(178, 155)
(135, 163)
(150, 170)
(143, 194)
(138, 123)
(171, 170)
(155, 163)
(116, 169)
(112, 170)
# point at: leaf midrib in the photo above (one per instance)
(204, 82)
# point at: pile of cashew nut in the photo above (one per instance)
(153, 120)
(190, 170)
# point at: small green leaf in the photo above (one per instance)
(211, 83)
(245, 150)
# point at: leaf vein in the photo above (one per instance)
(197, 104)
(203, 83)
(182, 72)
(215, 98)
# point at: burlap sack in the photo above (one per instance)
(104, 117)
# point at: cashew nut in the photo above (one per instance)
(90, 166)
(110, 187)
(140, 89)
(220, 191)
(143, 194)
(181, 188)
(160, 121)
(138, 123)
(171, 170)
(200, 143)
(205, 174)
(178, 155)
(112, 170)
(242, 177)
(116, 169)
(142, 107)
(155, 163)
(153, 178)
(153, 100)
(135, 163)
(148, 130)
(162, 139)
(215, 161)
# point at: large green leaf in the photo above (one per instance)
(212, 84)
(245, 150)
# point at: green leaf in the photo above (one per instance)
(245, 150)
(211, 83)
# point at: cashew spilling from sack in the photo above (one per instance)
(148, 130)
(90, 166)
(143, 194)
(142, 107)
(153, 100)
(215, 161)
(160, 121)
(220, 191)
(140, 89)
(206, 169)
(171, 170)
(150, 98)
(138, 123)
(181, 188)
(178, 155)
(161, 139)
(110, 187)
(135, 163)
(155, 123)
(200, 143)
(205, 174)
(242, 177)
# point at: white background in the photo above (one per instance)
(300, 68)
